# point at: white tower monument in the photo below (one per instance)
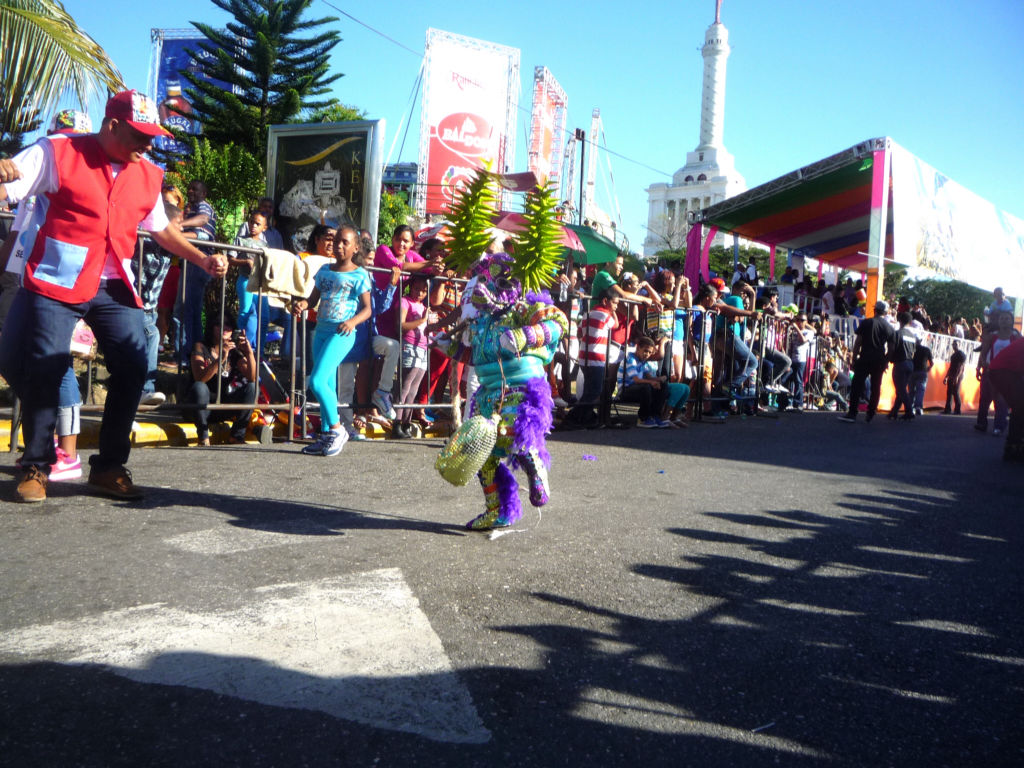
(710, 174)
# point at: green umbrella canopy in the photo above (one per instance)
(599, 249)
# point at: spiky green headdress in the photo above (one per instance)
(471, 218)
(538, 251)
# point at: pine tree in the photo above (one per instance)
(271, 71)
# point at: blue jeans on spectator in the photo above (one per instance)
(918, 385)
(743, 360)
(35, 357)
(797, 376)
(190, 311)
(250, 321)
(775, 366)
(901, 373)
(152, 350)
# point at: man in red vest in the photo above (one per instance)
(97, 189)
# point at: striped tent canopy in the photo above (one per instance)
(821, 211)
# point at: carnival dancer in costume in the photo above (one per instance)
(514, 332)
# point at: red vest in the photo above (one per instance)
(90, 214)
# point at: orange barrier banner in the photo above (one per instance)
(935, 392)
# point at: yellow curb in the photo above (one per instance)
(155, 434)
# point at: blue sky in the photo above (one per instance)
(805, 79)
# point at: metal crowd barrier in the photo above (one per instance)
(297, 394)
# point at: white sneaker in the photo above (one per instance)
(560, 403)
(153, 398)
(334, 441)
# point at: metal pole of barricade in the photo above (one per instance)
(295, 321)
(700, 343)
(757, 342)
(220, 358)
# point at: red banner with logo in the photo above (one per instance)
(465, 112)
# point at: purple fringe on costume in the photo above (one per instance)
(533, 420)
(542, 297)
(508, 495)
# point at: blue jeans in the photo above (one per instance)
(190, 311)
(249, 322)
(797, 375)
(35, 357)
(152, 350)
(918, 385)
(743, 361)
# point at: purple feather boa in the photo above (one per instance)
(508, 495)
(533, 421)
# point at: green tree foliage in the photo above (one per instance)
(947, 297)
(233, 176)
(720, 259)
(892, 282)
(335, 112)
(45, 58)
(394, 210)
(274, 62)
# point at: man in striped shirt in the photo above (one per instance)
(598, 355)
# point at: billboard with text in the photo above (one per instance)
(547, 127)
(470, 97)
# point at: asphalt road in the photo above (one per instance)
(764, 592)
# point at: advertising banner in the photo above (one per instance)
(470, 97)
(944, 227)
(547, 127)
(168, 84)
(324, 173)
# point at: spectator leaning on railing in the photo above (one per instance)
(80, 268)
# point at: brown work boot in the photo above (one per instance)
(32, 485)
(115, 482)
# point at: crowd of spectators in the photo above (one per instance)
(675, 351)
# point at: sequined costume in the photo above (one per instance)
(513, 338)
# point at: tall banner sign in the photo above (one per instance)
(547, 128)
(167, 83)
(946, 228)
(325, 173)
(470, 98)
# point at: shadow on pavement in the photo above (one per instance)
(888, 635)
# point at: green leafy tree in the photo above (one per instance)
(893, 281)
(46, 57)
(947, 297)
(720, 260)
(274, 62)
(394, 210)
(232, 175)
(335, 112)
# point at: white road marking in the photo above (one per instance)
(356, 647)
(228, 540)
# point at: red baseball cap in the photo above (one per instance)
(138, 110)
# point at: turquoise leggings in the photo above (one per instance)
(329, 348)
